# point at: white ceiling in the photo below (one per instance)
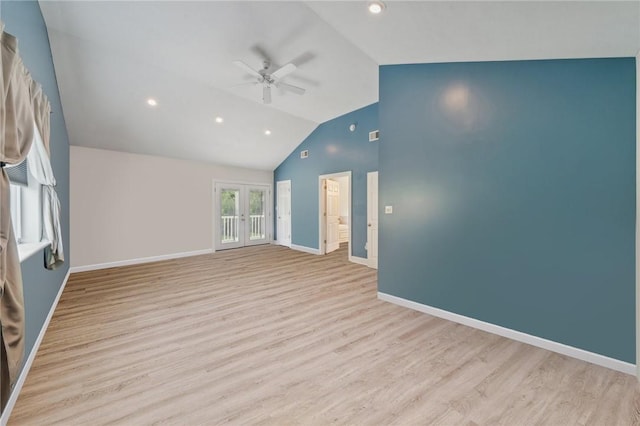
(111, 56)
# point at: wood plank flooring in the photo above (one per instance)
(267, 335)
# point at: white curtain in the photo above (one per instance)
(40, 167)
(41, 113)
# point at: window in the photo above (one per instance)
(26, 204)
(16, 211)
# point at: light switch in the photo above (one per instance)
(388, 209)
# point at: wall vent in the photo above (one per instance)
(304, 154)
(374, 136)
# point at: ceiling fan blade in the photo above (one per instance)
(282, 71)
(261, 52)
(247, 68)
(266, 94)
(253, 83)
(291, 88)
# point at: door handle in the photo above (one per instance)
(369, 225)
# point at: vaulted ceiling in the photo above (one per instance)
(110, 57)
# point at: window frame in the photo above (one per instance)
(26, 216)
(16, 210)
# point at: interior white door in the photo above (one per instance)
(372, 219)
(332, 206)
(283, 208)
(242, 215)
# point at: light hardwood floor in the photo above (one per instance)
(267, 335)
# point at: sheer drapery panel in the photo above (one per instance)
(40, 168)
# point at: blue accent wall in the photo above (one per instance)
(23, 19)
(332, 149)
(513, 187)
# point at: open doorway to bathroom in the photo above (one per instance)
(335, 213)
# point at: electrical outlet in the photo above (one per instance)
(388, 209)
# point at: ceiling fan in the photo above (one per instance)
(268, 79)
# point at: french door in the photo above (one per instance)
(243, 216)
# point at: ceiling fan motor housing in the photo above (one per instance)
(268, 79)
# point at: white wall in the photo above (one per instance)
(128, 206)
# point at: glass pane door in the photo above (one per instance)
(230, 232)
(257, 223)
(242, 215)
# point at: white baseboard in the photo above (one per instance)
(138, 261)
(550, 345)
(32, 356)
(359, 260)
(278, 243)
(305, 249)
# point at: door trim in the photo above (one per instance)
(332, 196)
(637, 215)
(214, 206)
(322, 247)
(371, 262)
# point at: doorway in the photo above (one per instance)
(242, 215)
(335, 212)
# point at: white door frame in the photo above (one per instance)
(332, 208)
(214, 204)
(373, 262)
(638, 215)
(322, 247)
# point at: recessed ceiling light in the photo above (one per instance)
(152, 102)
(376, 7)
(219, 120)
(267, 132)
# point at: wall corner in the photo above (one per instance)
(637, 216)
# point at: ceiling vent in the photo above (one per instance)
(374, 136)
(304, 154)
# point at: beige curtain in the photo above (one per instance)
(16, 135)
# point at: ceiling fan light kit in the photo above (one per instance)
(268, 79)
(376, 7)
